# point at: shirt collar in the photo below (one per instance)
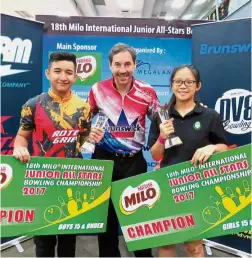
(114, 85)
(58, 98)
(197, 109)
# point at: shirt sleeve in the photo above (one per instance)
(217, 133)
(85, 120)
(154, 130)
(27, 115)
(153, 105)
(92, 102)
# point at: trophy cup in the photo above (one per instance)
(172, 140)
(89, 145)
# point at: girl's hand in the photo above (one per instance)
(166, 128)
(202, 154)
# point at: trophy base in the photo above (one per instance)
(172, 141)
(88, 147)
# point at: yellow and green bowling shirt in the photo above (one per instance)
(57, 124)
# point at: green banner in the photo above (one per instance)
(181, 203)
(88, 68)
(54, 196)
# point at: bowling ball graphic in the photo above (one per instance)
(211, 215)
(52, 213)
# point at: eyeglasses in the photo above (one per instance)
(188, 83)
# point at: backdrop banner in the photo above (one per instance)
(21, 67)
(222, 52)
(160, 45)
(20, 72)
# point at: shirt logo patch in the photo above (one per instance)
(123, 129)
(143, 94)
(197, 125)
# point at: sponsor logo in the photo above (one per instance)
(14, 51)
(206, 49)
(88, 68)
(152, 164)
(197, 125)
(143, 94)
(123, 129)
(7, 140)
(15, 84)
(6, 175)
(234, 108)
(3, 119)
(146, 68)
(65, 136)
(133, 198)
(146, 148)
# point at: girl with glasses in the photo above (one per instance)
(200, 130)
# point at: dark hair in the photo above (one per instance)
(62, 56)
(121, 47)
(193, 70)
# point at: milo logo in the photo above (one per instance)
(6, 175)
(88, 68)
(234, 108)
(133, 198)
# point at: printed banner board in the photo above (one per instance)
(51, 196)
(20, 72)
(160, 45)
(181, 203)
(222, 52)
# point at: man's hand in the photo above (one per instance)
(202, 154)
(166, 128)
(22, 154)
(96, 134)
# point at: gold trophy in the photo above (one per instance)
(172, 140)
(89, 145)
